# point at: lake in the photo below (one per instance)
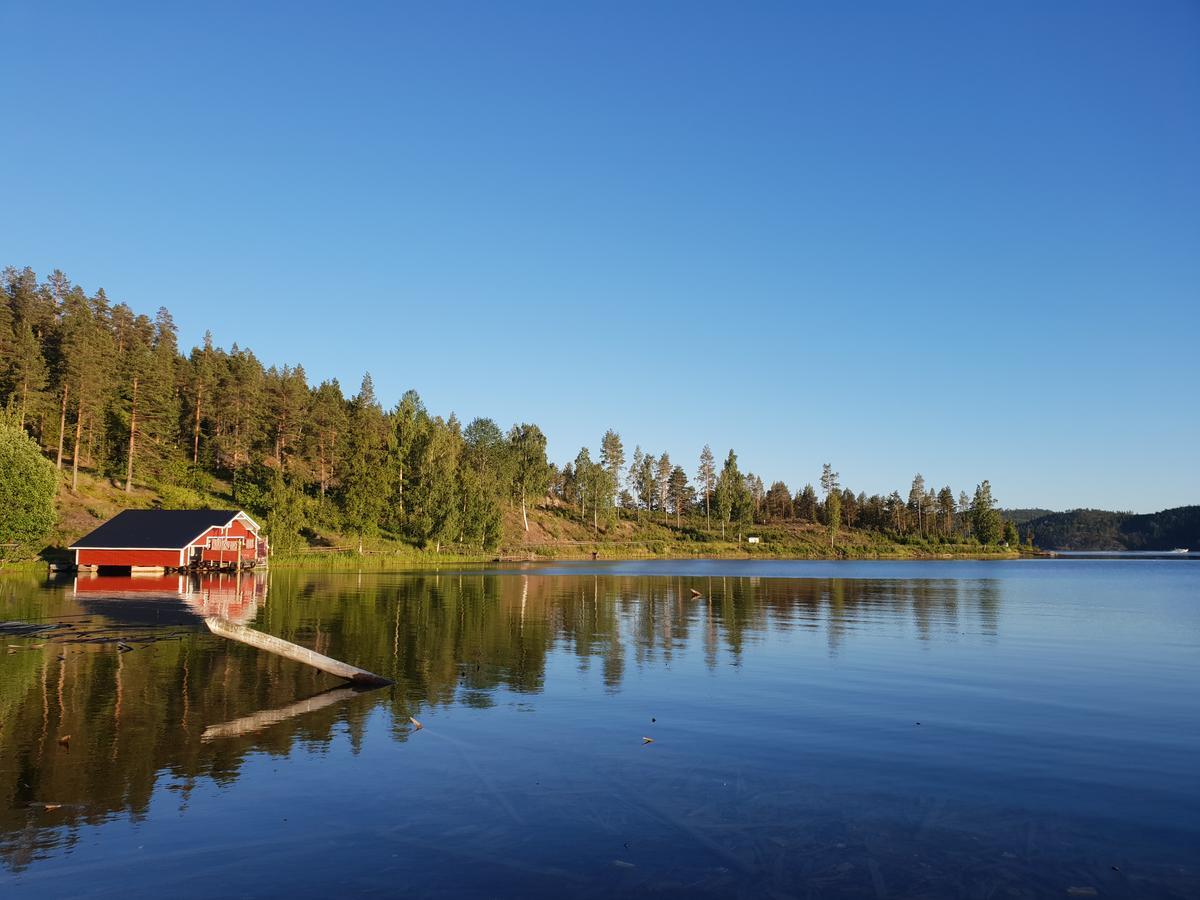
(818, 729)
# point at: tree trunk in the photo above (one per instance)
(132, 438)
(196, 432)
(524, 515)
(78, 440)
(24, 400)
(62, 427)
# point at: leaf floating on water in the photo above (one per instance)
(416, 725)
(696, 595)
(646, 740)
(65, 740)
(51, 806)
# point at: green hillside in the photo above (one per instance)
(1097, 529)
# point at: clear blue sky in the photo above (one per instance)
(955, 238)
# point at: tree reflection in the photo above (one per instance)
(184, 705)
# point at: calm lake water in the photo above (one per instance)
(943, 729)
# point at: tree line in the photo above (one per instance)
(101, 387)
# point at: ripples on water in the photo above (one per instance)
(819, 729)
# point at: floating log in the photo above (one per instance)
(265, 718)
(286, 649)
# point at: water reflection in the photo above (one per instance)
(87, 730)
(1015, 734)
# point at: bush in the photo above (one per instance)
(28, 484)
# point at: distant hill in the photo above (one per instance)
(1098, 529)
(1021, 516)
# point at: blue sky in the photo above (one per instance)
(960, 239)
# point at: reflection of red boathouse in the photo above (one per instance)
(234, 597)
(164, 539)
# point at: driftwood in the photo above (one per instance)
(286, 649)
(264, 719)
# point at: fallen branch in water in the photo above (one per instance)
(296, 653)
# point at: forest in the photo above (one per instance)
(1097, 529)
(106, 390)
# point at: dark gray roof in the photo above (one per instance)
(163, 529)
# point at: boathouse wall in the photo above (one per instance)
(131, 557)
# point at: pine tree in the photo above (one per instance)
(706, 477)
(202, 375)
(328, 423)
(134, 364)
(916, 498)
(779, 501)
(681, 492)
(612, 457)
(806, 504)
(945, 500)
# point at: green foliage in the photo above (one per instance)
(732, 501)
(1096, 529)
(27, 488)
(531, 470)
(1011, 537)
(102, 388)
(985, 518)
(286, 515)
(833, 514)
(364, 483)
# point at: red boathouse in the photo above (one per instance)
(159, 539)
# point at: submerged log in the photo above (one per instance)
(264, 719)
(226, 629)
